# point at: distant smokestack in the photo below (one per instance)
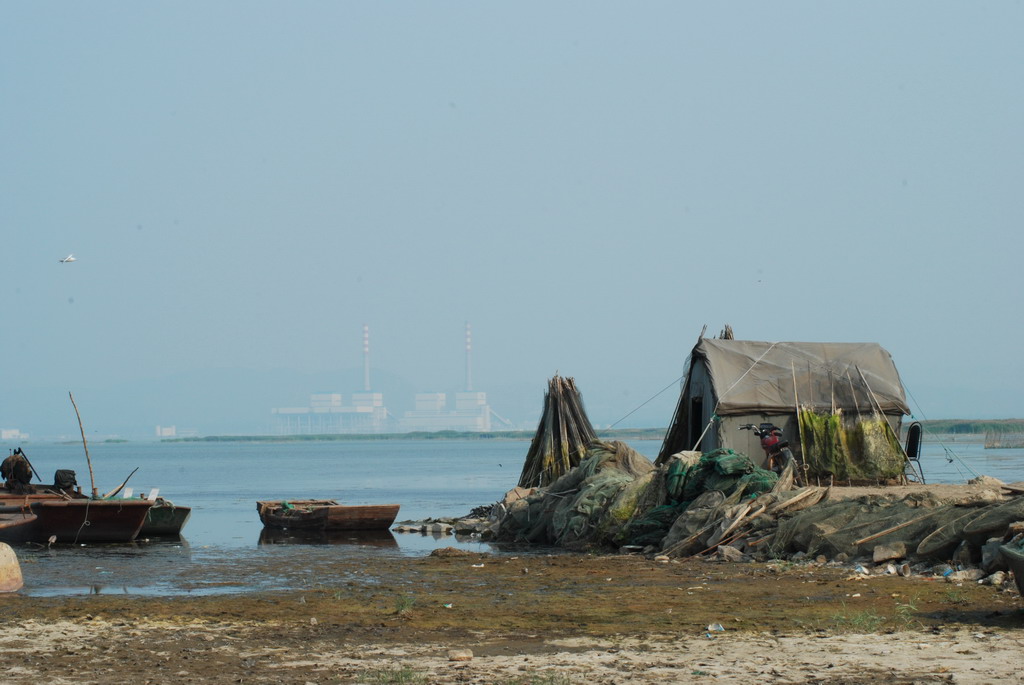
(469, 358)
(366, 358)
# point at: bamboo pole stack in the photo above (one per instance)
(563, 435)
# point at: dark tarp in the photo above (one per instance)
(752, 376)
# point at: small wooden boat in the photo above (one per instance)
(325, 514)
(74, 520)
(164, 519)
(16, 526)
(1013, 553)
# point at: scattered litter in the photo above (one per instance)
(447, 605)
(716, 627)
(478, 565)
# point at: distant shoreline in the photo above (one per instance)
(614, 434)
(939, 426)
(974, 429)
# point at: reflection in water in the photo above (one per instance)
(368, 538)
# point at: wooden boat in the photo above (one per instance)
(1013, 553)
(73, 520)
(325, 514)
(15, 526)
(164, 519)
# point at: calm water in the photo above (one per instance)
(222, 481)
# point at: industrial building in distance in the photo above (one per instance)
(365, 412)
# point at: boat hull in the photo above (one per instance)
(15, 526)
(165, 520)
(326, 515)
(74, 521)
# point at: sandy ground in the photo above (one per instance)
(233, 653)
(477, 618)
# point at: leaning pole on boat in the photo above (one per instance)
(92, 481)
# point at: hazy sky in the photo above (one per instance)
(245, 184)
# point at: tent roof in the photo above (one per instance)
(752, 376)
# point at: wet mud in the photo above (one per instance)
(568, 618)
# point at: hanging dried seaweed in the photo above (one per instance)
(863, 448)
(563, 435)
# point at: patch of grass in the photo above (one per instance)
(404, 604)
(393, 676)
(956, 597)
(867, 621)
(904, 615)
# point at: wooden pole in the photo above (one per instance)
(802, 478)
(92, 480)
(893, 529)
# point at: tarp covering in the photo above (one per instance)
(754, 376)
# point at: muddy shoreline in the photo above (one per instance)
(561, 618)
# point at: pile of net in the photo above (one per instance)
(617, 497)
(688, 476)
(699, 503)
(562, 438)
(588, 506)
(817, 521)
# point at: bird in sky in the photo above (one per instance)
(67, 260)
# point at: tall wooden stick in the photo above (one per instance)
(92, 480)
(799, 430)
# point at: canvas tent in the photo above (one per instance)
(730, 383)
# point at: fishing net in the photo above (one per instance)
(856, 526)
(650, 529)
(693, 528)
(678, 469)
(729, 463)
(575, 520)
(631, 501)
(722, 470)
(849, 449)
(590, 505)
(757, 481)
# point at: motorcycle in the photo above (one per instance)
(775, 448)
